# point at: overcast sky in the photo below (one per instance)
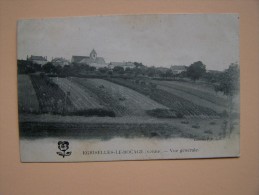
(159, 40)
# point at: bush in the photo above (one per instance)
(179, 115)
(164, 113)
(208, 132)
(196, 126)
(185, 122)
(93, 112)
(224, 114)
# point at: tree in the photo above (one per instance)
(49, 68)
(138, 64)
(58, 69)
(118, 69)
(229, 85)
(128, 69)
(92, 68)
(196, 70)
(151, 71)
(213, 77)
(103, 70)
(169, 73)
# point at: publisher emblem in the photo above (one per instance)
(63, 146)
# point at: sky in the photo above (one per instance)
(155, 40)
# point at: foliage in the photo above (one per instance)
(229, 85)
(213, 77)
(196, 70)
(128, 69)
(168, 73)
(164, 113)
(26, 67)
(229, 82)
(94, 112)
(138, 64)
(103, 70)
(118, 69)
(49, 68)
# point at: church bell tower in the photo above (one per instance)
(93, 55)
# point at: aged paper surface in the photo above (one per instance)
(133, 87)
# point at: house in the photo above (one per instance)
(60, 62)
(38, 59)
(162, 69)
(177, 69)
(91, 60)
(124, 65)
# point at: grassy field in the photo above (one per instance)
(27, 100)
(107, 128)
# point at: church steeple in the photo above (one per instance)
(93, 54)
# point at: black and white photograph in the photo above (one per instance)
(128, 87)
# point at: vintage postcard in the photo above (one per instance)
(128, 87)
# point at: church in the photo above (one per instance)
(91, 60)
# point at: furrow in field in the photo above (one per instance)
(195, 99)
(182, 106)
(133, 102)
(102, 94)
(51, 98)
(76, 96)
(136, 98)
(27, 99)
(79, 97)
(202, 91)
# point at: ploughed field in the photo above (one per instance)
(122, 100)
(121, 97)
(202, 91)
(200, 94)
(51, 98)
(80, 97)
(98, 108)
(184, 107)
(27, 101)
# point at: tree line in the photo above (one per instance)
(223, 81)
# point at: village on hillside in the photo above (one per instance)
(89, 86)
(34, 63)
(115, 81)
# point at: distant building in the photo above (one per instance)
(124, 65)
(177, 69)
(38, 60)
(60, 62)
(162, 69)
(91, 60)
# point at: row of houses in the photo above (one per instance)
(91, 60)
(94, 60)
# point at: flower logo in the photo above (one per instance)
(63, 146)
